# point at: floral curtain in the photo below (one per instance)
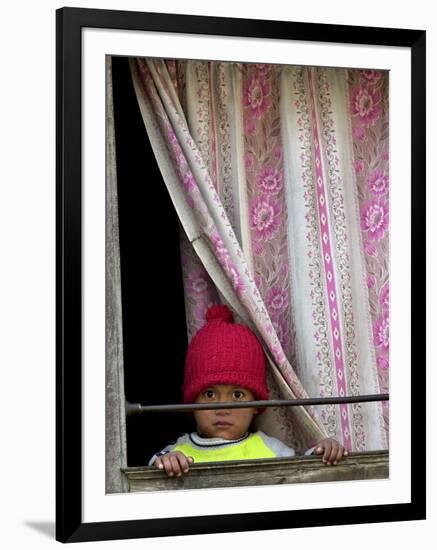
(279, 175)
(369, 110)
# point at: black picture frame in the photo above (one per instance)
(69, 524)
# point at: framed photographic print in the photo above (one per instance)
(240, 256)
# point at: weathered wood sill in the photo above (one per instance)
(371, 465)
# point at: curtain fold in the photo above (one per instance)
(259, 163)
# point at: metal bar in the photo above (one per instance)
(137, 408)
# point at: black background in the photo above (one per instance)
(154, 326)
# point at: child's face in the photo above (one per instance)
(224, 423)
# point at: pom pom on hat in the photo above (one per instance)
(224, 352)
(219, 313)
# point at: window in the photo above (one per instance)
(151, 278)
(153, 305)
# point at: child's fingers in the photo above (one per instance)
(158, 463)
(176, 469)
(183, 461)
(340, 453)
(333, 453)
(326, 450)
(166, 464)
(174, 463)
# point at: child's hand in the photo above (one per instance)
(174, 463)
(332, 451)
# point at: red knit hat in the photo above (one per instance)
(223, 352)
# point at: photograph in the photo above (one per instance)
(217, 275)
(240, 274)
(271, 275)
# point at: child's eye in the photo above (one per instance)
(238, 394)
(209, 394)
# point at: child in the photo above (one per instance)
(226, 363)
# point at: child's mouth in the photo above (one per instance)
(222, 424)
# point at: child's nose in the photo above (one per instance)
(223, 412)
(223, 399)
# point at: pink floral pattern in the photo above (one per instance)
(278, 153)
(264, 154)
(359, 132)
(383, 365)
(277, 300)
(370, 140)
(257, 92)
(281, 330)
(370, 76)
(188, 181)
(199, 291)
(381, 333)
(270, 179)
(249, 161)
(250, 126)
(197, 282)
(224, 257)
(378, 183)
(358, 166)
(384, 297)
(265, 217)
(374, 219)
(371, 281)
(370, 249)
(366, 105)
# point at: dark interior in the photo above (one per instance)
(154, 328)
